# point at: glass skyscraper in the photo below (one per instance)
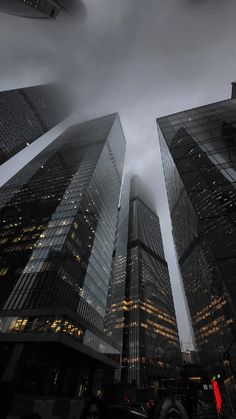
(198, 149)
(141, 315)
(28, 113)
(36, 8)
(58, 223)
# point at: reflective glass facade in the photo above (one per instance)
(31, 8)
(26, 114)
(199, 158)
(141, 311)
(38, 8)
(58, 222)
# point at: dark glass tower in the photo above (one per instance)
(30, 8)
(46, 9)
(58, 222)
(199, 158)
(141, 315)
(26, 114)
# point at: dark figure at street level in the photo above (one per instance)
(171, 407)
(95, 408)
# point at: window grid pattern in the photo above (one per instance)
(58, 219)
(199, 159)
(141, 314)
(26, 114)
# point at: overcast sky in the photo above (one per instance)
(141, 58)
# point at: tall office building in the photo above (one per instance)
(30, 8)
(141, 315)
(199, 158)
(58, 223)
(233, 93)
(44, 9)
(28, 113)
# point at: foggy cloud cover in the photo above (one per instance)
(141, 58)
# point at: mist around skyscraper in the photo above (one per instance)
(86, 303)
(140, 312)
(85, 293)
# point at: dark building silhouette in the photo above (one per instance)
(58, 223)
(44, 9)
(141, 315)
(233, 93)
(198, 149)
(28, 113)
(31, 8)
